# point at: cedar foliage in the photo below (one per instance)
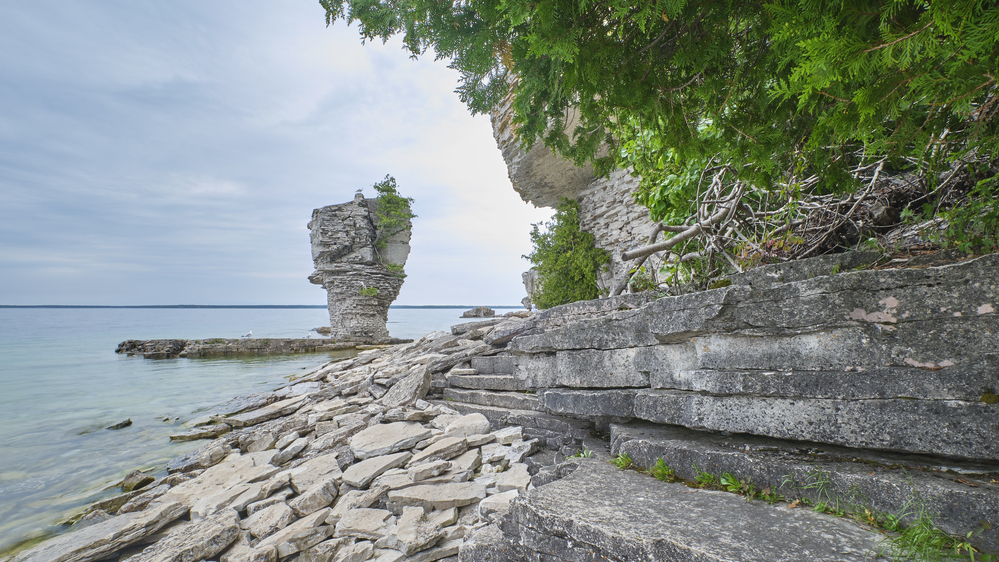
(790, 97)
(566, 259)
(393, 211)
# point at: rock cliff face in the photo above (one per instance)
(356, 275)
(606, 207)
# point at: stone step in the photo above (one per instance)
(512, 400)
(953, 428)
(600, 513)
(493, 365)
(553, 432)
(487, 382)
(855, 479)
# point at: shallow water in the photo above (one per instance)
(61, 384)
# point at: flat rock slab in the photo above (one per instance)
(197, 541)
(438, 496)
(260, 415)
(509, 400)
(886, 483)
(598, 511)
(102, 539)
(387, 438)
(408, 390)
(361, 474)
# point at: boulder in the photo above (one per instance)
(472, 424)
(479, 312)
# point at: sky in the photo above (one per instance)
(172, 153)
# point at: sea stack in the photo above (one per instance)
(361, 277)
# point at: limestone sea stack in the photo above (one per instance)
(361, 278)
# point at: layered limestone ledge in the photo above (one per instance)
(898, 360)
(355, 273)
(599, 513)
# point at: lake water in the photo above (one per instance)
(61, 384)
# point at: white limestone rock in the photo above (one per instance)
(472, 424)
(387, 438)
(268, 521)
(320, 495)
(300, 535)
(365, 523)
(428, 470)
(516, 477)
(438, 496)
(361, 474)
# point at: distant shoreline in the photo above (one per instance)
(262, 306)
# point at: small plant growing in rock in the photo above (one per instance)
(583, 453)
(742, 487)
(704, 479)
(368, 291)
(622, 461)
(662, 472)
(396, 268)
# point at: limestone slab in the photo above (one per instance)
(384, 439)
(320, 495)
(408, 390)
(940, 427)
(598, 511)
(300, 535)
(102, 539)
(465, 426)
(438, 496)
(445, 449)
(354, 499)
(361, 474)
(365, 523)
(260, 415)
(428, 470)
(198, 541)
(312, 471)
(514, 478)
(269, 520)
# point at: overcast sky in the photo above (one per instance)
(172, 152)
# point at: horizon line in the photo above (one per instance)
(285, 306)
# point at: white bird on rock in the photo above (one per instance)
(248, 335)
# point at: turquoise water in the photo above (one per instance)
(61, 384)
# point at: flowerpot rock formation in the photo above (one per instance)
(361, 280)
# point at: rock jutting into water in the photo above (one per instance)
(361, 279)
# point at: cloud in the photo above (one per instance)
(173, 152)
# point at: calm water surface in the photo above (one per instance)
(61, 384)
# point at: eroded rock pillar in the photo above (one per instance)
(361, 280)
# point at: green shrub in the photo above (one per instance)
(566, 258)
(368, 291)
(393, 211)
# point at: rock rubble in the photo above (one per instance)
(355, 465)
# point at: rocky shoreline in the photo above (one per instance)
(348, 462)
(225, 347)
(867, 395)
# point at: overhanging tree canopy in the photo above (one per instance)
(781, 96)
